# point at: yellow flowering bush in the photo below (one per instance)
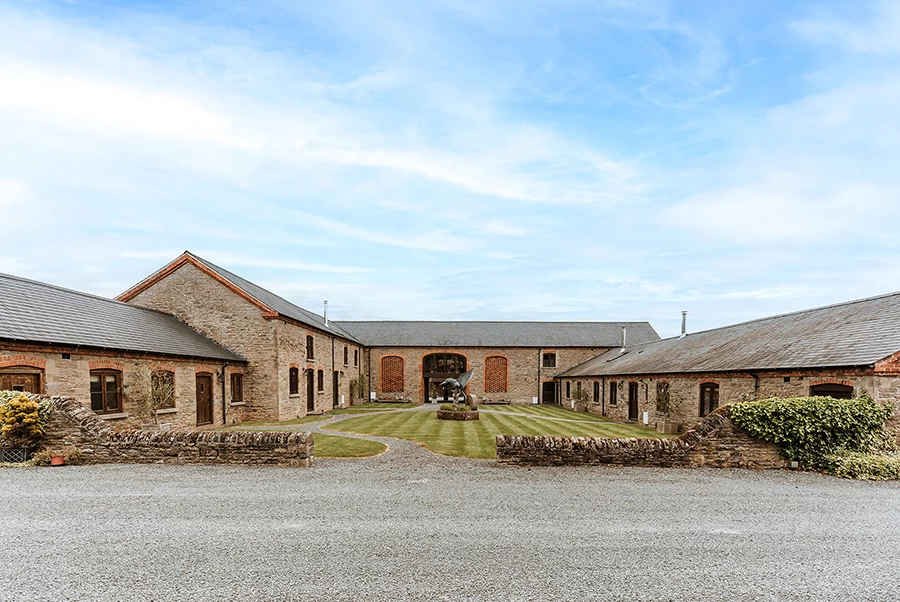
(22, 422)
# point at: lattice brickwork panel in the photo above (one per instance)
(392, 374)
(496, 375)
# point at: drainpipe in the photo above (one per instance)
(603, 396)
(331, 376)
(755, 385)
(540, 382)
(224, 417)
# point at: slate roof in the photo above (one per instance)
(276, 303)
(33, 311)
(855, 333)
(497, 334)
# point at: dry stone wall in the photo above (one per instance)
(714, 442)
(72, 425)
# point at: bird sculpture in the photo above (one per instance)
(458, 387)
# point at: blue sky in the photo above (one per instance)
(461, 159)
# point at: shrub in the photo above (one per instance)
(857, 465)
(810, 429)
(449, 407)
(22, 421)
(42, 457)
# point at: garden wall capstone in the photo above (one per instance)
(73, 425)
(714, 442)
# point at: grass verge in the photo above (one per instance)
(335, 446)
(295, 421)
(371, 407)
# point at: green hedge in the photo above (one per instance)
(873, 466)
(824, 433)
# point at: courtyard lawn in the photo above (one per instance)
(371, 407)
(335, 446)
(544, 412)
(475, 439)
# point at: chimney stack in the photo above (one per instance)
(326, 312)
(624, 336)
(683, 324)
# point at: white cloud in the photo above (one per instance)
(879, 34)
(91, 103)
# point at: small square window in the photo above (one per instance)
(549, 360)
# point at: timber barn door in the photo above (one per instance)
(204, 399)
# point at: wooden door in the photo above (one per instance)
(310, 390)
(334, 387)
(548, 394)
(204, 399)
(632, 401)
(29, 383)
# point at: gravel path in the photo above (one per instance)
(425, 527)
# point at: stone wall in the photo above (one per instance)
(714, 442)
(526, 373)
(328, 356)
(214, 310)
(72, 425)
(271, 345)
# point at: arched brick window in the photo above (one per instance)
(496, 374)
(392, 374)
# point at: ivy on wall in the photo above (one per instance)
(840, 436)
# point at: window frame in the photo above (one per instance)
(568, 389)
(355, 358)
(104, 390)
(310, 347)
(346, 355)
(708, 386)
(613, 393)
(294, 380)
(548, 356)
(320, 381)
(237, 378)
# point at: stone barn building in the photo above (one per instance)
(230, 350)
(839, 350)
(111, 355)
(298, 362)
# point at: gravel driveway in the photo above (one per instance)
(425, 527)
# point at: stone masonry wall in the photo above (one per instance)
(714, 442)
(72, 425)
(328, 356)
(219, 313)
(524, 364)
